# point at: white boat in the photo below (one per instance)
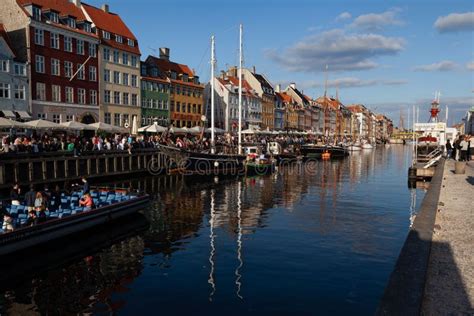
(354, 148)
(367, 146)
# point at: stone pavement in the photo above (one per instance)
(449, 288)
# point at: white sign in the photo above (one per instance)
(439, 127)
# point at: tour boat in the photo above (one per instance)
(315, 151)
(67, 218)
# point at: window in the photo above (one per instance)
(4, 90)
(107, 96)
(68, 69)
(39, 65)
(80, 72)
(92, 73)
(125, 79)
(117, 97)
(134, 60)
(117, 119)
(106, 54)
(125, 98)
(116, 77)
(55, 68)
(80, 47)
(126, 119)
(116, 56)
(134, 81)
(106, 35)
(68, 44)
(36, 13)
(56, 118)
(69, 118)
(5, 66)
(131, 42)
(93, 97)
(40, 91)
(55, 40)
(107, 118)
(81, 96)
(39, 37)
(20, 92)
(125, 59)
(71, 22)
(118, 39)
(42, 116)
(92, 50)
(69, 95)
(87, 27)
(178, 90)
(56, 93)
(134, 99)
(178, 106)
(106, 75)
(20, 70)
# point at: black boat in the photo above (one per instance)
(316, 151)
(68, 219)
(200, 163)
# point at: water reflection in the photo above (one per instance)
(325, 234)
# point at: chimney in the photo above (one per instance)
(165, 53)
(293, 85)
(105, 8)
(253, 69)
(278, 88)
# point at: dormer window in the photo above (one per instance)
(36, 13)
(106, 35)
(54, 17)
(154, 72)
(118, 39)
(173, 75)
(87, 27)
(131, 43)
(71, 22)
(185, 77)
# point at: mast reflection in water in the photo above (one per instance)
(320, 238)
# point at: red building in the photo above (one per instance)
(61, 46)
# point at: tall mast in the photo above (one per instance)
(213, 62)
(240, 89)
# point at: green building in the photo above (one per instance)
(155, 93)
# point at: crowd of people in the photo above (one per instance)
(461, 148)
(37, 202)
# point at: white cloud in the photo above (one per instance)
(445, 65)
(470, 66)
(377, 21)
(352, 82)
(339, 50)
(343, 16)
(455, 22)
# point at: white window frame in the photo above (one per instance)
(125, 78)
(54, 17)
(68, 44)
(107, 96)
(40, 91)
(19, 92)
(4, 65)
(54, 39)
(5, 90)
(80, 47)
(81, 96)
(55, 93)
(92, 73)
(80, 72)
(39, 64)
(69, 95)
(118, 38)
(117, 97)
(39, 36)
(92, 50)
(93, 97)
(106, 34)
(55, 67)
(68, 69)
(131, 43)
(106, 55)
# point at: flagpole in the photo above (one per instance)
(240, 90)
(213, 62)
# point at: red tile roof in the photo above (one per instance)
(166, 65)
(4, 34)
(246, 88)
(63, 7)
(113, 24)
(285, 97)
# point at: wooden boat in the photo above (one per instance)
(316, 152)
(190, 162)
(66, 221)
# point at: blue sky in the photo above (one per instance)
(387, 55)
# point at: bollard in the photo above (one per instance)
(460, 167)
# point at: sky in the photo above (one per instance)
(387, 55)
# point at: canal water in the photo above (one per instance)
(312, 239)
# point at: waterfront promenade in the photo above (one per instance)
(449, 285)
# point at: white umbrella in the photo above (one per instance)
(77, 126)
(177, 130)
(216, 130)
(248, 131)
(43, 124)
(134, 125)
(153, 128)
(108, 128)
(7, 123)
(195, 130)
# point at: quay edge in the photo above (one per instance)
(403, 294)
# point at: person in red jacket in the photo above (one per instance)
(87, 202)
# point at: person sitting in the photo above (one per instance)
(87, 202)
(32, 219)
(7, 223)
(15, 194)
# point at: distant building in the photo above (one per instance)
(155, 93)
(14, 89)
(265, 91)
(186, 92)
(291, 116)
(469, 121)
(279, 111)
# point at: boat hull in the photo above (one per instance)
(316, 152)
(256, 169)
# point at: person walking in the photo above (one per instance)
(449, 149)
(85, 185)
(30, 197)
(464, 146)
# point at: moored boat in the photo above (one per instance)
(316, 152)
